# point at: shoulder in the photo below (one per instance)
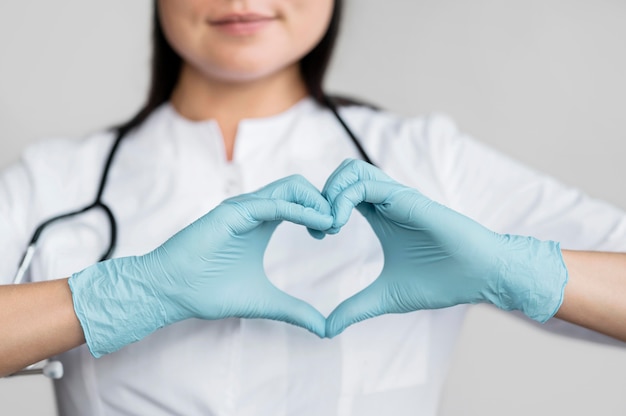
(426, 129)
(394, 138)
(82, 159)
(58, 152)
(50, 151)
(414, 150)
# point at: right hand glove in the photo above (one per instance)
(212, 269)
(436, 257)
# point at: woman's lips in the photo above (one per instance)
(241, 24)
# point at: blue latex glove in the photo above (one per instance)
(436, 257)
(212, 269)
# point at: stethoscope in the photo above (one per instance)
(98, 204)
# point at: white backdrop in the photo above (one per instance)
(542, 80)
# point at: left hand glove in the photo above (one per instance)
(436, 257)
(212, 269)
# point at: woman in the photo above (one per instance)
(228, 119)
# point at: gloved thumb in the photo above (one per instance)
(286, 308)
(366, 304)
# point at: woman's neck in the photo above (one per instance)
(196, 97)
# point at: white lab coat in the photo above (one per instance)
(171, 171)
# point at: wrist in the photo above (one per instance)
(532, 276)
(115, 304)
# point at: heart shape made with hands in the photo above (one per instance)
(342, 291)
(426, 265)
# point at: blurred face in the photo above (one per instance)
(243, 40)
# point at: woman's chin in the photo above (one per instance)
(251, 74)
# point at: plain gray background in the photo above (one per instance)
(542, 80)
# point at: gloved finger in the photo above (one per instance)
(257, 210)
(316, 234)
(373, 192)
(332, 178)
(283, 307)
(366, 304)
(297, 189)
(351, 171)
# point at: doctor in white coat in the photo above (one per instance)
(236, 104)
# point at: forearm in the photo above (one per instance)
(595, 295)
(37, 320)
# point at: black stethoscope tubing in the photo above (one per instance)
(99, 204)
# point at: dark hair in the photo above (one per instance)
(166, 65)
